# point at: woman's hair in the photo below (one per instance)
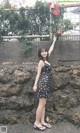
(39, 53)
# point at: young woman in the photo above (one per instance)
(43, 86)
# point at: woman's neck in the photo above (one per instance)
(45, 59)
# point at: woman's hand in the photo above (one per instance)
(34, 88)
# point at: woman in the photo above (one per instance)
(43, 86)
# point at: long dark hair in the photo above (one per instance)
(39, 54)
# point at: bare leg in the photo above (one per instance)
(42, 102)
(43, 116)
(43, 119)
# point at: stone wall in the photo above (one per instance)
(66, 52)
(17, 102)
(17, 75)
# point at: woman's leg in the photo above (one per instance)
(43, 116)
(43, 119)
(40, 108)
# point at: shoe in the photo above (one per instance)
(42, 128)
(47, 125)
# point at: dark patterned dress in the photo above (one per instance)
(45, 86)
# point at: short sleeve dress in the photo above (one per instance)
(45, 83)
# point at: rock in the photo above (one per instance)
(74, 116)
(8, 90)
(21, 77)
(75, 83)
(17, 101)
(61, 79)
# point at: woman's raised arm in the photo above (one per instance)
(52, 46)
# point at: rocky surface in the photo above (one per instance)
(17, 102)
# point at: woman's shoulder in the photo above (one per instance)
(41, 62)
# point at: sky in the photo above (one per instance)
(22, 2)
(30, 3)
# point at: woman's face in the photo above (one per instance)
(44, 53)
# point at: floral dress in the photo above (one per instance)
(45, 86)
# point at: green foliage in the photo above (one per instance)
(7, 22)
(32, 21)
(67, 25)
(27, 46)
(58, 22)
(1, 39)
(25, 22)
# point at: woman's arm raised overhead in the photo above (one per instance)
(52, 46)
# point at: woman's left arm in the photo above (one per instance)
(52, 46)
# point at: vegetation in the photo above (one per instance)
(35, 20)
(29, 21)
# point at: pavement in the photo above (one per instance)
(61, 127)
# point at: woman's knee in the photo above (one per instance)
(42, 101)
